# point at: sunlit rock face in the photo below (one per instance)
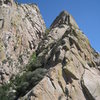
(21, 29)
(73, 65)
(64, 59)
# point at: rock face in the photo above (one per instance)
(21, 29)
(64, 52)
(73, 66)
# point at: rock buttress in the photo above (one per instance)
(21, 29)
(73, 65)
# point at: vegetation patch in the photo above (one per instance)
(22, 83)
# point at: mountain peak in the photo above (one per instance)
(64, 12)
(71, 62)
(64, 18)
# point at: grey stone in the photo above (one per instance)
(21, 29)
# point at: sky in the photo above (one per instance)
(85, 12)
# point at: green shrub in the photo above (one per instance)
(47, 31)
(22, 89)
(4, 92)
(24, 82)
(34, 63)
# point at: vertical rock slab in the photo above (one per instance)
(21, 29)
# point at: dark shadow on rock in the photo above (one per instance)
(60, 97)
(86, 92)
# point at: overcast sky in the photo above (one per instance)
(85, 12)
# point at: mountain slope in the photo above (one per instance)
(40, 64)
(73, 66)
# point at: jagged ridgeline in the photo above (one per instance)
(45, 64)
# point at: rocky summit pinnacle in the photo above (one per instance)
(45, 64)
(64, 18)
